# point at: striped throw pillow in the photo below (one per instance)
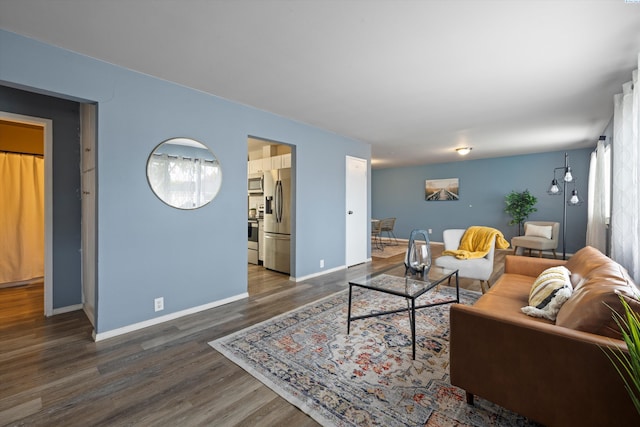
(549, 291)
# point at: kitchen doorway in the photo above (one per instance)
(270, 196)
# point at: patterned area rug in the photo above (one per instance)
(366, 378)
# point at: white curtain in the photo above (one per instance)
(181, 181)
(598, 211)
(21, 218)
(625, 202)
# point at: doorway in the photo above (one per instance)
(270, 210)
(44, 127)
(63, 288)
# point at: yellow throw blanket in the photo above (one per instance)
(476, 242)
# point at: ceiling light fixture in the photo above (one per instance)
(463, 151)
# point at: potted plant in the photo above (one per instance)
(519, 206)
(628, 365)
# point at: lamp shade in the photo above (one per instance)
(554, 189)
(574, 200)
(567, 174)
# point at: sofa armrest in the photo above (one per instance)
(529, 266)
(550, 374)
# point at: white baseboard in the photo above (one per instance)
(171, 316)
(406, 242)
(319, 273)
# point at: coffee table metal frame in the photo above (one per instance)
(421, 286)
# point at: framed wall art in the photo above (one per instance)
(441, 189)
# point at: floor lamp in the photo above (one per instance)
(573, 200)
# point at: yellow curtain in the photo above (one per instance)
(21, 217)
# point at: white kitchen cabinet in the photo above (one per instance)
(256, 166)
(269, 151)
(268, 163)
(276, 162)
(286, 160)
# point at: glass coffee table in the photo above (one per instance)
(408, 287)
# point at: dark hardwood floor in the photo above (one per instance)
(53, 374)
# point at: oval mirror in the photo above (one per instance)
(184, 173)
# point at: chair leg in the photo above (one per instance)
(485, 285)
(539, 253)
(554, 254)
(482, 286)
(377, 241)
(391, 237)
(395, 239)
(515, 250)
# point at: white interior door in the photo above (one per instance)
(88, 168)
(357, 238)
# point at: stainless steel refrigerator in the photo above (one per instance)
(277, 220)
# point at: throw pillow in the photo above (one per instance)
(549, 291)
(538, 231)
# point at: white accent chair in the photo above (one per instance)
(538, 240)
(475, 268)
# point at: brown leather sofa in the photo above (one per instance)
(557, 373)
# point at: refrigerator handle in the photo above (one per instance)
(278, 201)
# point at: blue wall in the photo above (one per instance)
(399, 192)
(147, 249)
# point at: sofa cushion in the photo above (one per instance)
(513, 286)
(598, 293)
(507, 296)
(584, 261)
(538, 231)
(548, 293)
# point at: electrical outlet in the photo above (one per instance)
(430, 231)
(158, 304)
(321, 263)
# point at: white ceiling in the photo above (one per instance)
(415, 79)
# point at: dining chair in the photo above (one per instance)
(386, 226)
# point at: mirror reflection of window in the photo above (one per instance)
(183, 173)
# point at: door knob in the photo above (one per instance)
(350, 212)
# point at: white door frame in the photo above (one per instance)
(47, 125)
(88, 117)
